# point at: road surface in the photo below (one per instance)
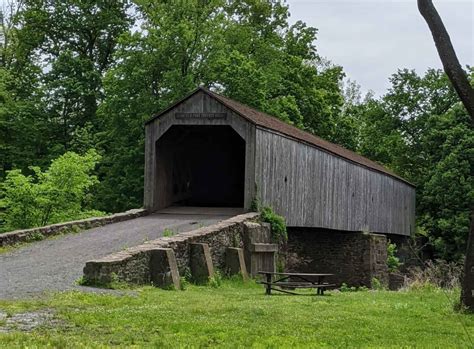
(55, 264)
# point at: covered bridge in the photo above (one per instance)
(209, 150)
(340, 207)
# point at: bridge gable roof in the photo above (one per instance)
(266, 121)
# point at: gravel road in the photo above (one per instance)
(55, 264)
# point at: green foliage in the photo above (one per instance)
(376, 284)
(83, 281)
(447, 192)
(59, 194)
(421, 130)
(76, 75)
(183, 283)
(35, 237)
(187, 274)
(168, 232)
(215, 281)
(246, 50)
(277, 223)
(345, 288)
(280, 263)
(393, 262)
(101, 85)
(255, 204)
(77, 40)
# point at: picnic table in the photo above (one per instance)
(284, 281)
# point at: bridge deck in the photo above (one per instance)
(55, 264)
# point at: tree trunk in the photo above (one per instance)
(448, 57)
(458, 78)
(467, 292)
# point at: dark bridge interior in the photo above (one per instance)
(200, 166)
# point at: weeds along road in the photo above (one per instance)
(56, 264)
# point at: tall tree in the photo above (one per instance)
(466, 93)
(74, 41)
(23, 131)
(420, 130)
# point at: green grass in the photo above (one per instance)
(168, 232)
(240, 315)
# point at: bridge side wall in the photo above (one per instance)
(313, 188)
(39, 233)
(133, 265)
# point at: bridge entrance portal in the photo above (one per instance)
(200, 166)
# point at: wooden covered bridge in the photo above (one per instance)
(209, 150)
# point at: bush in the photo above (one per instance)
(215, 281)
(438, 273)
(376, 284)
(345, 288)
(277, 223)
(35, 237)
(56, 195)
(183, 283)
(168, 232)
(393, 262)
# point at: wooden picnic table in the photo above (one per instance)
(294, 280)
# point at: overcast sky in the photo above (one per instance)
(371, 39)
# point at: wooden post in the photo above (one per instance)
(269, 281)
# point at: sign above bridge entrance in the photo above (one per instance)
(201, 115)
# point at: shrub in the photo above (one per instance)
(438, 273)
(58, 194)
(168, 232)
(255, 205)
(393, 262)
(35, 237)
(183, 283)
(83, 281)
(215, 281)
(376, 284)
(277, 223)
(345, 288)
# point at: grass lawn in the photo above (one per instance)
(240, 315)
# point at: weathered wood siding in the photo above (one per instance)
(309, 186)
(313, 188)
(197, 103)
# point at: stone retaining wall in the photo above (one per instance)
(353, 257)
(28, 235)
(133, 264)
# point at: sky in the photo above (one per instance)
(371, 39)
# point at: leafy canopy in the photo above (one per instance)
(55, 195)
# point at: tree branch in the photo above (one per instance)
(448, 57)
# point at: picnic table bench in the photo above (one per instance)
(294, 280)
